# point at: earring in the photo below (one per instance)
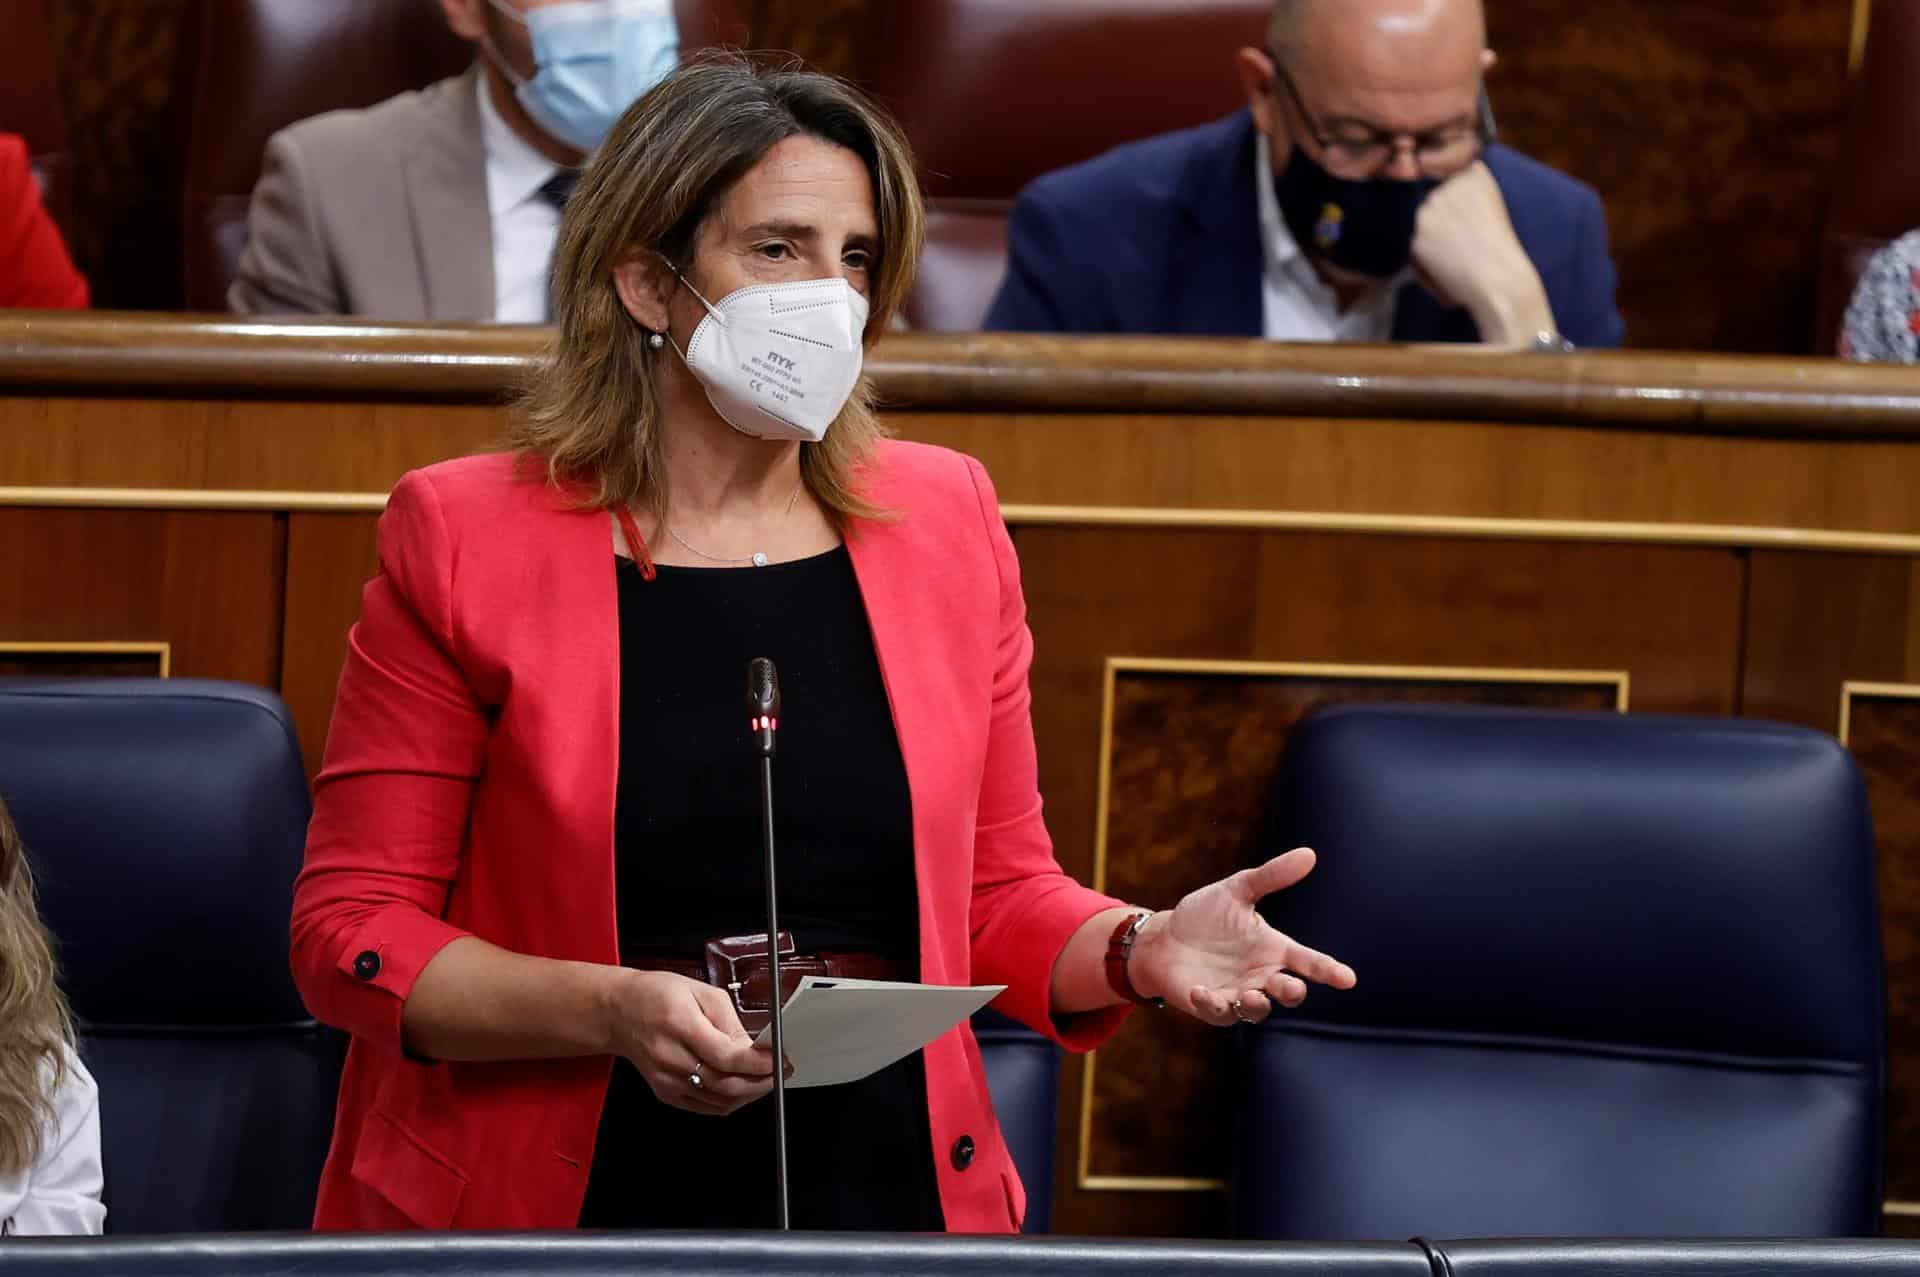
(656, 341)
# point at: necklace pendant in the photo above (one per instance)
(759, 559)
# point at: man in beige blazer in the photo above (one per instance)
(438, 204)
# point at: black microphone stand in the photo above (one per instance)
(763, 703)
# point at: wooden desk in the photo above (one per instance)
(1203, 525)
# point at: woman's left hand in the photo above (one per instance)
(1214, 950)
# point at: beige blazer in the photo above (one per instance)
(379, 212)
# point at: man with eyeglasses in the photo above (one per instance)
(1361, 196)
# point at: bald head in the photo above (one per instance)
(1405, 66)
(1409, 27)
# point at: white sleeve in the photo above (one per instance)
(63, 1189)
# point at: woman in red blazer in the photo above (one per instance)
(538, 798)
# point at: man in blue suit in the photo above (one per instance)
(1359, 197)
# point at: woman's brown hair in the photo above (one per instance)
(592, 412)
(34, 1022)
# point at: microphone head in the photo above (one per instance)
(763, 689)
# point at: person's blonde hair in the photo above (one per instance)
(592, 412)
(35, 1025)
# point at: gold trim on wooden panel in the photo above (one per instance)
(1857, 43)
(193, 499)
(1148, 1183)
(1729, 536)
(1889, 691)
(162, 650)
(1620, 680)
(1714, 535)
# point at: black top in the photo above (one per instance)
(689, 865)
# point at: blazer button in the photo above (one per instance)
(367, 964)
(963, 1153)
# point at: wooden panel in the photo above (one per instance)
(1193, 759)
(1884, 734)
(1710, 129)
(170, 443)
(330, 557)
(1670, 617)
(1816, 621)
(1464, 470)
(207, 583)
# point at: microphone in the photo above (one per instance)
(763, 710)
(763, 702)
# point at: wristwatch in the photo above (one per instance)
(1548, 342)
(1119, 951)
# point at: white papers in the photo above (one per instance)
(842, 1030)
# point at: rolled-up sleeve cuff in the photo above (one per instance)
(378, 967)
(1044, 927)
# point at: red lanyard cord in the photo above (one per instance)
(636, 545)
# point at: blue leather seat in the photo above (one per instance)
(1023, 1076)
(1619, 976)
(165, 819)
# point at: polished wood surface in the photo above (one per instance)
(206, 583)
(1733, 535)
(1828, 620)
(1682, 394)
(329, 557)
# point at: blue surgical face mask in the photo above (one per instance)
(592, 58)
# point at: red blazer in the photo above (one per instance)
(35, 271)
(468, 788)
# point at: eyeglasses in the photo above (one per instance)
(1356, 150)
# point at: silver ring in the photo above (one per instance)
(695, 1079)
(1240, 1014)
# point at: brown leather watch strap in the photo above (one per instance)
(1119, 951)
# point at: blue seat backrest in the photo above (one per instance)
(1023, 1075)
(1619, 976)
(166, 820)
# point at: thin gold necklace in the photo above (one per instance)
(757, 559)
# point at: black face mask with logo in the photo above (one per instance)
(1365, 227)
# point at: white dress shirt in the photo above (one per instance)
(525, 226)
(60, 1193)
(1296, 304)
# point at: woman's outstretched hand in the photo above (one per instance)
(1214, 948)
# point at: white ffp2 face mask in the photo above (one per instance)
(779, 361)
